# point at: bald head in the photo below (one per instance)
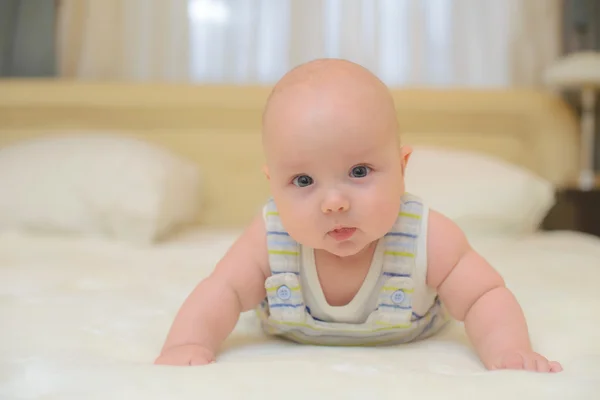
(334, 88)
(327, 71)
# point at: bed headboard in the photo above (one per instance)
(219, 128)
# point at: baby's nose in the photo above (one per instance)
(335, 203)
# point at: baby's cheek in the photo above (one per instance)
(385, 210)
(297, 219)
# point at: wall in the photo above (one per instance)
(27, 46)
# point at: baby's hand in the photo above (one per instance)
(190, 354)
(526, 360)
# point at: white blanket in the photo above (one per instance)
(84, 319)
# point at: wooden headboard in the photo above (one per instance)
(219, 128)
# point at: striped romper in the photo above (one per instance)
(394, 304)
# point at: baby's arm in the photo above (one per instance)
(475, 293)
(212, 310)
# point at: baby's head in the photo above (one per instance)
(333, 157)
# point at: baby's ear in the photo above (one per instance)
(266, 172)
(405, 153)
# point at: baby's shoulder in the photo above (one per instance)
(443, 230)
(446, 244)
(250, 248)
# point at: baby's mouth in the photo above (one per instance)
(342, 233)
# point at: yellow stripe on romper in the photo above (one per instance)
(293, 289)
(409, 215)
(399, 254)
(272, 213)
(284, 252)
(394, 288)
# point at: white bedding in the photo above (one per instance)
(84, 319)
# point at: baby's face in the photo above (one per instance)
(335, 170)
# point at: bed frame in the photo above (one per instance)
(219, 128)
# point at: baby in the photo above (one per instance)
(341, 254)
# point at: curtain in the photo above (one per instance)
(136, 40)
(404, 42)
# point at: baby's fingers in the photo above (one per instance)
(555, 367)
(514, 361)
(540, 364)
(201, 360)
(168, 360)
(529, 362)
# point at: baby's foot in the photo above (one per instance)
(526, 360)
(186, 355)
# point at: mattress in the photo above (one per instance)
(84, 318)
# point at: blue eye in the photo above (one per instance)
(360, 171)
(302, 181)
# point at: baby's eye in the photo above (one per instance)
(360, 171)
(302, 181)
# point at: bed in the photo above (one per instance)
(84, 315)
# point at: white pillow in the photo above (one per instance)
(481, 193)
(98, 184)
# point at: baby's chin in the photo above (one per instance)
(340, 248)
(346, 248)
